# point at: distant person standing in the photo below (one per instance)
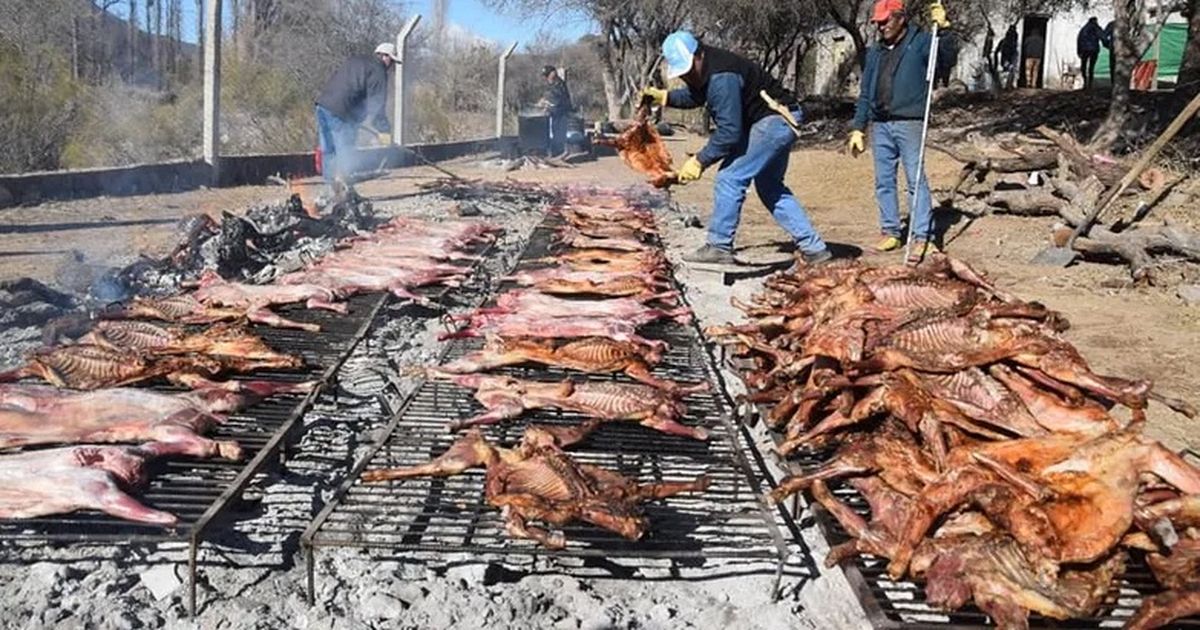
(356, 95)
(1008, 55)
(1034, 48)
(1087, 44)
(557, 103)
(947, 59)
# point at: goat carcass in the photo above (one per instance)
(63, 480)
(558, 281)
(221, 340)
(592, 355)
(506, 397)
(642, 149)
(538, 481)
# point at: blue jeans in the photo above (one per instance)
(892, 143)
(558, 135)
(337, 139)
(762, 158)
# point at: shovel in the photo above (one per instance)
(1065, 255)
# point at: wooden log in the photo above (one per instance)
(1036, 202)
(1136, 247)
(1081, 162)
(1041, 160)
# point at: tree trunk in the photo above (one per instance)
(1189, 72)
(199, 68)
(131, 51)
(1123, 59)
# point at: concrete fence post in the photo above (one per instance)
(398, 113)
(500, 89)
(212, 89)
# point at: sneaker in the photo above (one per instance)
(709, 255)
(888, 243)
(920, 250)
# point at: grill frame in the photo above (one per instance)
(686, 360)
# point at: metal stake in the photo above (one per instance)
(930, 67)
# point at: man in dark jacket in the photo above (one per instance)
(1087, 44)
(1008, 55)
(751, 142)
(557, 103)
(356, 95)
(892, 99)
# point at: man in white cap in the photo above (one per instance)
(355, 96)
(751, 141)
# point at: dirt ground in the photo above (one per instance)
(1134, 332)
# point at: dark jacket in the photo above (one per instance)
(559, 98)
(908, 82)
(1088, 41)
(1008, 48)
(357, 92)
(730, 90)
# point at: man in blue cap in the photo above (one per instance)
(751, 141)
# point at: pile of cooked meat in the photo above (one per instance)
(86, 439)
(580, 309)
(998, 467)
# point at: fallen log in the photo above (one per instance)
(1036, 202)
(1082, 163)
(1038, 161)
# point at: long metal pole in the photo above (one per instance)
(212, 90)
(919, 176)
(500, 89)
(398, 116)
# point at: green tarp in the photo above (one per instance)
(1170, 47)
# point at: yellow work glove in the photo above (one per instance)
(857, 143)
(384, 138)
(691, 170)
(657, 96)
(937, 15)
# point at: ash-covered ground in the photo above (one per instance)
(252, 568)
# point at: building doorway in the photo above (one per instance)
(1032, 69)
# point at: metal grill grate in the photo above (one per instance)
(729, 520)
(196, 491)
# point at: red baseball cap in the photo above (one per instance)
(885, 8)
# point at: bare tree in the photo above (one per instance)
(1125, 52)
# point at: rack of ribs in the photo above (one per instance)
(506, 397)
(222, 341)
(591, 355)
(538, 481)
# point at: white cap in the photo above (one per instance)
(386, 48)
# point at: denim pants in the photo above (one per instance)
(892, 143)
(558, 135)
(337, 140)
(762, 158)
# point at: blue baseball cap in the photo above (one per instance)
(678, 49)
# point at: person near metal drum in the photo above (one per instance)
(892, 100)
(751, 141)
(354, 96)
(557, 103)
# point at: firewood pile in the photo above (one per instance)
(999, 469)
(1049, 174)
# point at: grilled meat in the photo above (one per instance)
(592, 355)
(642, 149)
(538, 481)
(608, 261)
(536, 326)
(558, 281)
(527, 302)
(506, 397)
(221, 340)
(63, 480)
(1006, 581)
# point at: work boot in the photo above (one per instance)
(921, 250)
(710, 255)
(813, 259)
(887, 243)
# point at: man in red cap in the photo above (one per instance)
(892, 99)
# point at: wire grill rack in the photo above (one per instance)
(450, 515)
